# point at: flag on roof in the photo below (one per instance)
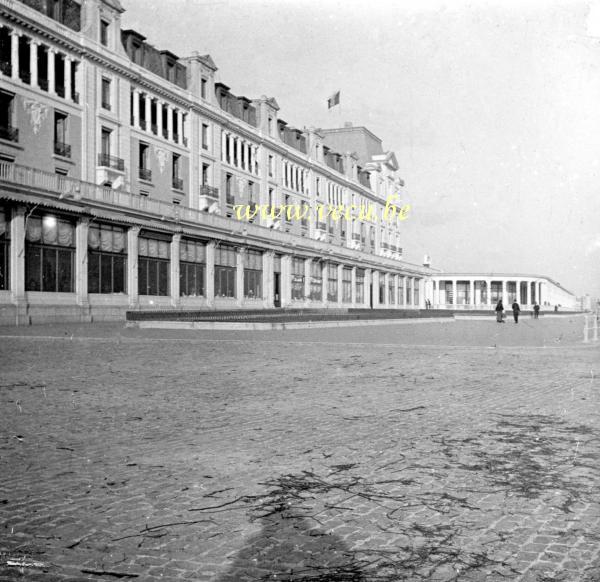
(333, 100)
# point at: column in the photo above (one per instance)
(136, 108)
(353, 296)
(340, 281)
(132, 265)
(239, 153)
(14, 53)
(210, 274)
(68, 88)
(239, 276)
(159, 117)
(148, 106)
(286, 280)
(17, 255)
(169, 123)
(52, 70)
(307, 265)
(268, 292)
(33, 63)
(454, 294)
(231, 146)
(224, 138)
(472, 301)
(175, 269)
(81, 261)
(180, 126)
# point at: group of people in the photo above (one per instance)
(516, 310)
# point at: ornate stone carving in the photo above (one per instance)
(37, 113)
(161, 156)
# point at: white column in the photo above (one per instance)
(210, 274)
(180, 126)
(148, 106)
(169, 123)
(132, 265)
(68, 88)
(33, 64)
(81, 261)
(51, 70)
(472, 292)
(239, 276)
(159, 117)
(268, 294)
(14, 53)
(286, 280)
(175, 269)
(239, 153)
(136, 108)
(231, 146)
(504, 293)
(224, 138)
(17, 255)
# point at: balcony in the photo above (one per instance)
(48, 184)
(112, 162)
(145, 174)
(5, 68)
(230, 199)
(43, 83)
(154, 129)
(60, 90)
(209, 192)
(9, 133)
(106, 105)
(25, 76)
(176, 137)
(142, 124)
(62, 149)
(177, 183)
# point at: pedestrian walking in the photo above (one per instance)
(536, 311)
(499, 312)
(516, 309)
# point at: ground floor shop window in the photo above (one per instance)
(332, 283)
(107, 259)
(49, 254)
(297, 279)
(192, 265)
(400, 290)
(153, 266)
(381, 288)
(225, 271)
(416, 293)
(360, 286)
(4, 251)
(316, 281)
(253, 275)
(347, 285)
(496, 292)
(391, 288)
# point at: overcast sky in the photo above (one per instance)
(492, 108)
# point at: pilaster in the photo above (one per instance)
(175, 270)
(132, 265)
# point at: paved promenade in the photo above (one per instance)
(465, 451)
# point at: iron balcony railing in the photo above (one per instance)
(145, 174)
(177, 183)
(6, 68)
(9, 133)
(109, 161)
(62, 149)
(106, 105)
(209, 192)
(60, 90)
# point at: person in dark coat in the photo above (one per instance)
(516, 309)
(536, 311)
(499, 311)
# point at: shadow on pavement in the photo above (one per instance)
(290, 548)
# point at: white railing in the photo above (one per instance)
(64, 187)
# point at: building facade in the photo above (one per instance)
(122, 166)
(475, 291)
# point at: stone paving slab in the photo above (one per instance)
(315, 455)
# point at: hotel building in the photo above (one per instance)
(121, 165)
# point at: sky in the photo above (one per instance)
(492, 109)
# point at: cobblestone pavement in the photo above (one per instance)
(452, 451)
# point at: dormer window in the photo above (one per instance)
(136, 47)
(104, 24)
